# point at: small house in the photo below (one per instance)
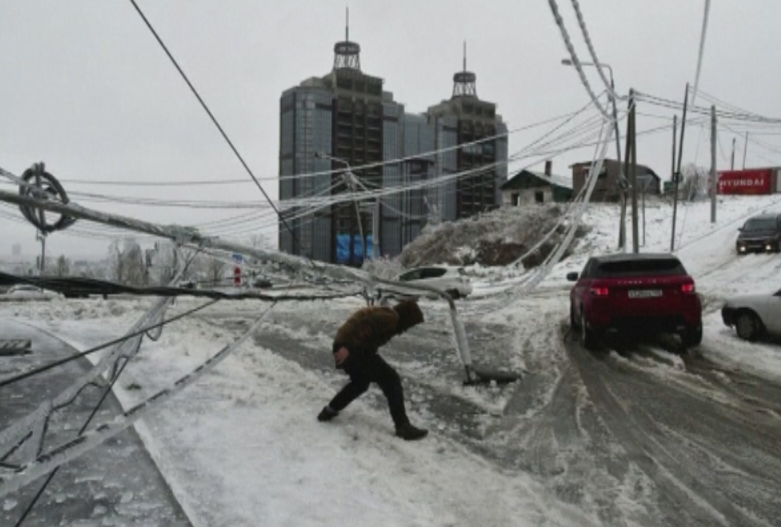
(529, 186)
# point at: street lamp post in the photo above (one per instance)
(622, 183)
(350, 180)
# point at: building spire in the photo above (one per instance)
(464, 81)
(347, 54)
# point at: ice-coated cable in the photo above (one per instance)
(10, 481)
(592, 51)
(575, 61)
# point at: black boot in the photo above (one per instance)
(326, 414)
(410, 433)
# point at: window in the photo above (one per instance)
(412, 275)
(658, 266)
(539, 197)
(760, 224)
(433, 272)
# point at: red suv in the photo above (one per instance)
(635, 294)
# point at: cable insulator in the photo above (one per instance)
(37, 180)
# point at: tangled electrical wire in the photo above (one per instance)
(41, 184)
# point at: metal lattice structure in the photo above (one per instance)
(464, 82)
(347, 54)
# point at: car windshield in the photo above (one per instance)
(655, 266)
(760, 224)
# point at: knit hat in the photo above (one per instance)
(409, 315)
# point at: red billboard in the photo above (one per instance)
(757, 181)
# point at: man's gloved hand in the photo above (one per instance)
(341, 355)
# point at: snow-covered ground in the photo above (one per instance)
(242, 447)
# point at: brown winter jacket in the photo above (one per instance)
(370, 328)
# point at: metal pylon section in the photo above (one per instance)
(347, 54)
(464, 82)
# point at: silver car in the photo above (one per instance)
(754, 316)
(451, 280)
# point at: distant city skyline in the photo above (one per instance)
(114, 109)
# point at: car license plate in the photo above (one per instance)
(644, 293)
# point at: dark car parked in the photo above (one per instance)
(760, 233)
(634, 295)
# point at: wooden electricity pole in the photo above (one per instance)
(633, 174)
(713, 164)
(626, 171)
(677, 172)
(732, 160)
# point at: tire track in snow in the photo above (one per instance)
(712, 463)
(551, 430)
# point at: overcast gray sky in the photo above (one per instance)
(85, 87)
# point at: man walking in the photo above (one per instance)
(355, 350)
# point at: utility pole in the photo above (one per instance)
(350, 181)
(677, 172)
(675, 141)
(645, 187)
(376, 230)
(732, 160)
(626, 171)
(621, 176)
(713, 164)
(41, 235)
(633, 174)
(745, 149)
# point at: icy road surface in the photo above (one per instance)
(643, 437)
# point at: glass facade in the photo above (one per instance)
(501, 158)
(391, 220)
(305, 128)
(447, 163)
(347, 115)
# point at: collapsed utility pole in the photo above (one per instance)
(713, 189)
(677, 171)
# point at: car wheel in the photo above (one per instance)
(748, 326)
(693, 336)
(454, 294)
(587, 337)
(573, 321)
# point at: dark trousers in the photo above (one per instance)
(365, 368)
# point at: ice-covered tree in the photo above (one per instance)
(63, 266)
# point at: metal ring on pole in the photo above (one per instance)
(42, 185)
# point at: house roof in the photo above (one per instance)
(642, 170)
(553, 179)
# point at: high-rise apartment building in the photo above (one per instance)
(346, 120)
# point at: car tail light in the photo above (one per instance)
(687, 289)
(599, 291)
